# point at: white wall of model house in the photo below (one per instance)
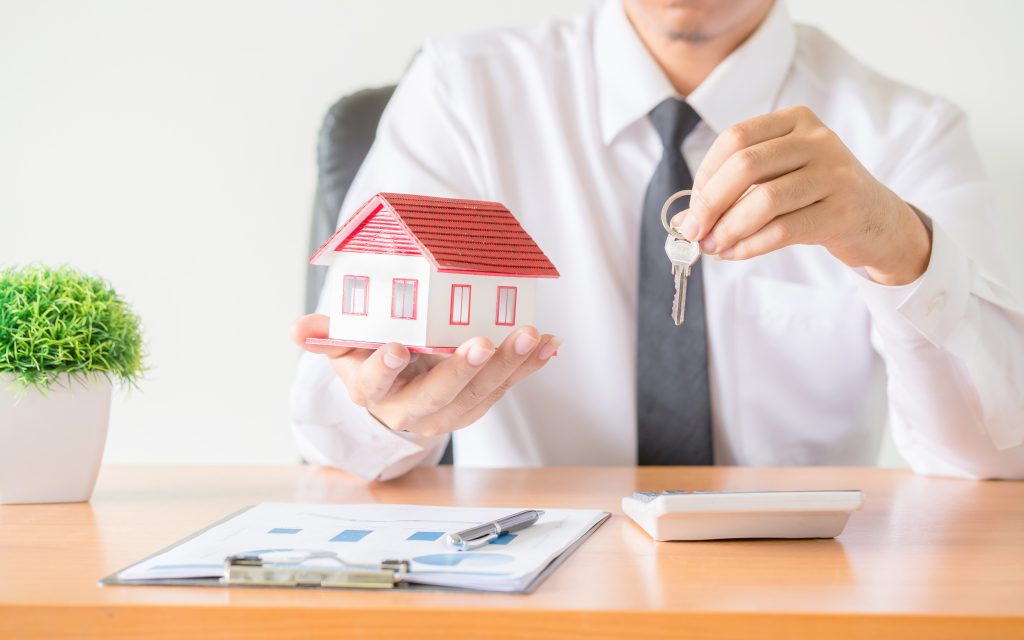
(377, 325)
(432, 326)
(483, 309)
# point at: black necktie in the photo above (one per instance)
(673, 402)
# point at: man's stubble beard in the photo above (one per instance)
(692, 37)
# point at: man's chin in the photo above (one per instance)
(678, 22)
(692, 37)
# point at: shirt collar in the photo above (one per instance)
(746, 84)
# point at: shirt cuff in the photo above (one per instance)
(933, 306)
(362, 445)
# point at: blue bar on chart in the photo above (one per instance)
(504, 538)
(284, 530)
(351, 535)
(426, 536)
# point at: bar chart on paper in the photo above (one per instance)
(373, 533)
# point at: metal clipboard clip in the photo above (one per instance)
(287, 569)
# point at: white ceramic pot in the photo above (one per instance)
(51, 445)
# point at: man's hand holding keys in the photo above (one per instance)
(785, 178)
(430, 395)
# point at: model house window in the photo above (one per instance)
(354, 295)
(403, 298)
(461, 296)
(506, 306)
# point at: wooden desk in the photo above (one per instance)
(926, 557)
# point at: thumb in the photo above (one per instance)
(315, 325)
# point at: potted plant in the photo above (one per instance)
(65, 337)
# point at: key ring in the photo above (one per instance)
(664, 213)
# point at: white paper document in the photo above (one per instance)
(372, 533)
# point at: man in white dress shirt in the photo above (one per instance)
(805, 162)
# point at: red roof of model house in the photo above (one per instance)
(454, 235)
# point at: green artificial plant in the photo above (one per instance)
(59, 321)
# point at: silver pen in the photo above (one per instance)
(482, 534)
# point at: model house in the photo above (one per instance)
(429, 273)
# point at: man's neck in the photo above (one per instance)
(688, 62)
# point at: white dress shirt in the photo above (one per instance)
(552, 121)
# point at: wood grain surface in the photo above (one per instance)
(926, 558)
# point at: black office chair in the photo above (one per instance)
(345, 138)
(346, 135)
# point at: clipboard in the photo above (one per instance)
(249, 570)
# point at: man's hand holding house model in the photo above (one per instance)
(417, 275)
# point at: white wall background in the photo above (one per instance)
(169, 146)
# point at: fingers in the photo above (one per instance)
(512, 354)
(520, 354)
(374, 376)
(315, 325)
(760, 184)
(368, 375)
(761, 205)
(747, 134)
(549, 344)
(435, 389)
(746, 167)
(799, 227)
(438, 400)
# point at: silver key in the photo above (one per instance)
(683, 255)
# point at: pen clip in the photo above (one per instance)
(476, 543)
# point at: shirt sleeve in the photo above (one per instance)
(332, 431)
(952, 341)
(422, 146)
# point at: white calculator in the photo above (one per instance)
(725, 515)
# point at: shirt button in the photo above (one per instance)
(937, 302)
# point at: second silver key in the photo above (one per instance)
(683, 256)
